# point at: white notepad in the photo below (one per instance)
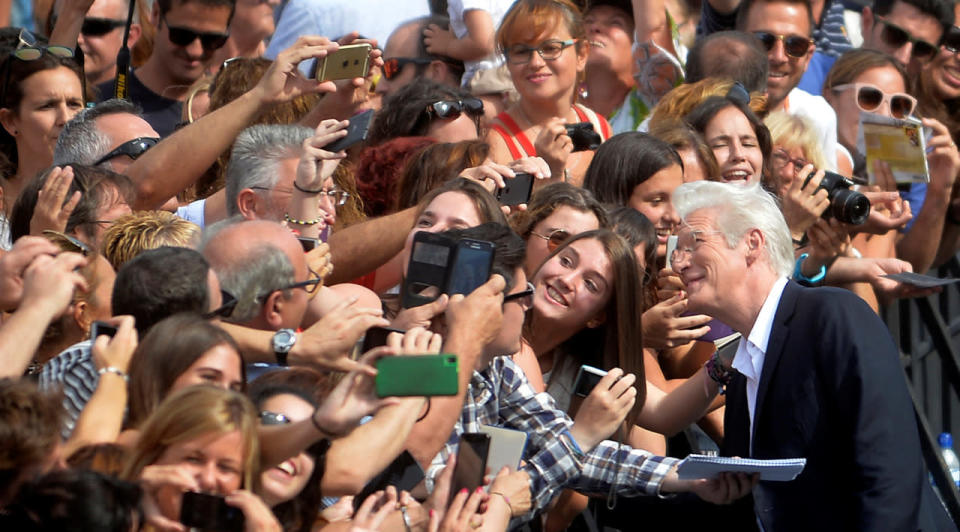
(702, 466)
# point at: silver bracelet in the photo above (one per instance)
(115, 370)
(406, 519)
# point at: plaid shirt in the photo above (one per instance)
(500, 395)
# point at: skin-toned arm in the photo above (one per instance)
(669, 413)
(359, 249)
(650, 21)
(316, 165)
(69, 22)
(476, 44)
(209, 136)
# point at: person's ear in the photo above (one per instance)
(9, 121)
(866, 24)
(597, 320)
(155, 16)
(272, 309)
(135, 32)
(439, 71)
(247, 203)
(583, 51)
(78, 311)
(755, 242)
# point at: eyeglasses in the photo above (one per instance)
(273, 418)
(870, 98)
(781, 159)
(951, 40)
(225, 310)
(185, 36)
(896, 37)
(131, 148)
(76, 244)
(336, 195)
(393, 66)
(793, 45)
(453, 108)
(555, 239)
(521, 54)
(96, 27)
(524, 297)
(688, 242)
(309, 286)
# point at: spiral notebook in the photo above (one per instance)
(702, 466)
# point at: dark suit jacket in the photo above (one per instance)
(832, 391)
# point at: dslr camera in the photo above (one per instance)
(583, 135)
(846, 205)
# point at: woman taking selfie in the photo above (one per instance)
(545, 46)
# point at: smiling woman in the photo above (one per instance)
(739, 140)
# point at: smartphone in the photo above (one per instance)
(470, 267)
(417, 375)
(506, 448)
(210, 512)
(98, 328)
(671, 246)
(583, 136)
(377, 336)
(348, 62)
(308, 244)
(471, 462)
(356, 132)
(426, 276)
(516, 190)
(404, 473)
(587, 379)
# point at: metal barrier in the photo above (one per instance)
(927, 330)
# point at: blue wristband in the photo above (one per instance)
(798, 271)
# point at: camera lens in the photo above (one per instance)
(849, 206)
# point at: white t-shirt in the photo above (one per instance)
(496, 9)
(821, 115)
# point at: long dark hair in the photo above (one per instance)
(625, 161)
(702, 114)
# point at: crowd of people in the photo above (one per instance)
(189, 272)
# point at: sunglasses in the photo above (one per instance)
(951, 40)
(555, 239)
(131, 148)
(453, 108)
(870, 98)
(521, 54)
(225, 310)
(524, 297)
(309, 286)
(393, 66)
(273, 418)
(185, 36)
(793, 45)
(897, 37)
(74, 243)
(95, 27)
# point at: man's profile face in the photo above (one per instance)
(706, 264)
(881, 32)
(781, 18)
(186, 63)
(507, 341)
(121, 128)
(402, 44)
(100, 49)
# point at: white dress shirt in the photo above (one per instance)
(753, 348)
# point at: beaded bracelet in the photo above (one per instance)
(306, 190)
(315, 221)
(718, 373)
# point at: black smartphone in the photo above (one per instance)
(404, 473)
(377, 336)
(210, 512)
(470, 267)
(98, 328)
(583, 135)
(427, 269)
(471, 462)
(356, 132)
(587, 379)
(308, 244)
(516, 190)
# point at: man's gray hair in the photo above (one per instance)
(251, 276)
(739, 209)
(81, 142)
(256, 157)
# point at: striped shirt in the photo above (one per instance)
(75, 373)
(831, 35)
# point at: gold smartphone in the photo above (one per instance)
(350, 61)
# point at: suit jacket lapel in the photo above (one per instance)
(778, 335)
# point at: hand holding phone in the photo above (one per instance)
(357, 132)
(348, 62)
(516, 190)
(471, 462)
(210, 512)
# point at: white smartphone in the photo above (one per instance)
(506, 449)
(671, 246)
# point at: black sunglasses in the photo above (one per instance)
(131, 148)
(225, 310)
(273, 418)
(793, 45)
(951, 40)
(896, 37)
(185, 36)
(95, 27)
(525, 296)
(393, 66)
(309, 286)
(453, 108)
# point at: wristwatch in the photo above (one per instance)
(283, 341)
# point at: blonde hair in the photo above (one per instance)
(192, 413)
(791, 131)
(135, 233)
(677, 103)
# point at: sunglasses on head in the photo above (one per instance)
(95, 27)
(273, 418)
(453, 108)
(28, 49)
(951, 40)
(793, 45)
(870, 98)
(131, 148)
(897, 37)
(555, 239)
(185, 36)
(393, 66)
(75, 244)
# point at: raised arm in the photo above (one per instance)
(362, 248)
